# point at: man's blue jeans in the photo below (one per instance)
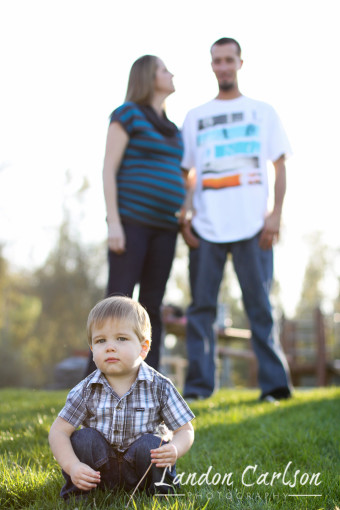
(118, 470)
(254, 269)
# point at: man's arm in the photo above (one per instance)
(181, 442)
(82, 475)
(271, 228)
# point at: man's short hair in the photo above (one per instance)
(120, 308)
(227, 40)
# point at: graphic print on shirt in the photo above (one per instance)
(231, 150)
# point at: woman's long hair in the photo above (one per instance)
(141, 82)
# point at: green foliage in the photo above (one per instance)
(18, 313)
(43, 314)
(66, 288)
(178, 290)
(232, 430)
(312, 294)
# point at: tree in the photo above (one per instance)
(43, 314)
(312, 294)
(18, 314)
(67, 288)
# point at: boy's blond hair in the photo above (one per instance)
(120, 308)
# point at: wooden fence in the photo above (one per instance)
(303, 341)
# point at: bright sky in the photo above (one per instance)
(65, 65)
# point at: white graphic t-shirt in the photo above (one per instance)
(229, 143)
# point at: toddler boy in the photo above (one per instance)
(120, 405)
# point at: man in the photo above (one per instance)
(229, 141)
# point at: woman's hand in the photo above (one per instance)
(165, 455)
(189, 237)
(116, 238)
(184, 217)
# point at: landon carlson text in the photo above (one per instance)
(249, 477)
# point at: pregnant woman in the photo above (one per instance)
(144, 191)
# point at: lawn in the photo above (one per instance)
(241, 447)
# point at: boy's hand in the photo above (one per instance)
(84, 477)
(165, 455)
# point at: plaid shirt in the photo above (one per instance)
(122, 420)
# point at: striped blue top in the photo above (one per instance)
(150, 183)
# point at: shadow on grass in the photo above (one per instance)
(232, 433)
(47, 497)
(227, 401)
(19, 412)
(297, 437)
(289, 421)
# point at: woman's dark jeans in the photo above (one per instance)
(147, 261)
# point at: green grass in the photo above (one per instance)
(233, 431)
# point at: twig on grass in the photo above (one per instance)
(164, 433)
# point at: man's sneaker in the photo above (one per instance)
(270, 399)
(276, 395)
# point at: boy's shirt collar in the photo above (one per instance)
(95, 378)
(145, 373)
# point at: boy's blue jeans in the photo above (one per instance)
(118, 470)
